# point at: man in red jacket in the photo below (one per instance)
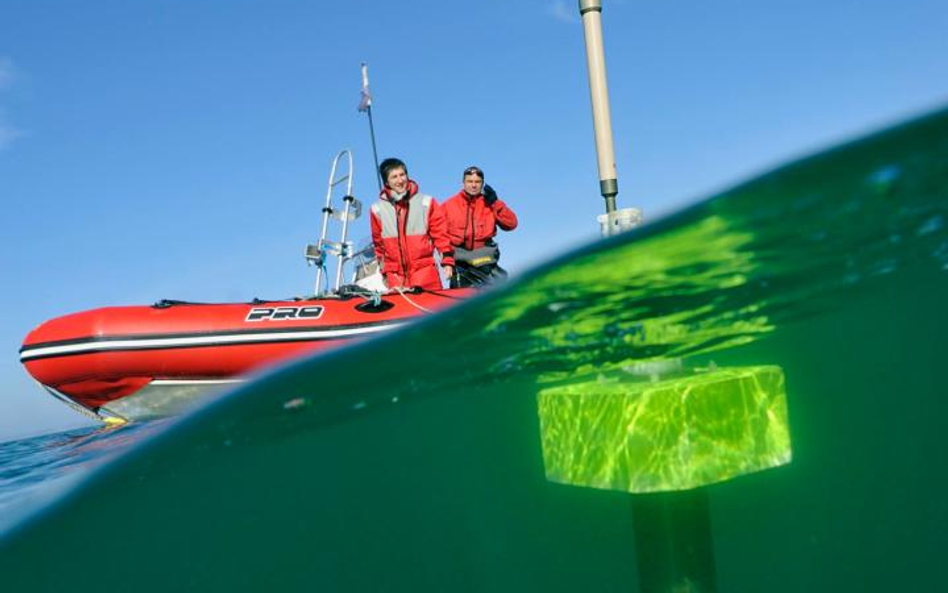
(407, 226)
(473, 215)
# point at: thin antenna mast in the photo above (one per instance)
(366, 105)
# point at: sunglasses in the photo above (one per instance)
(474, 171)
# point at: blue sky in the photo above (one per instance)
(180, 149)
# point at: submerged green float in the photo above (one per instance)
(675, 434)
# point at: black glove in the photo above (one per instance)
(490, 196)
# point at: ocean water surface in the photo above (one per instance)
(743, 397)
(35, 470)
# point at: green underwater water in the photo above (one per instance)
(435, 458)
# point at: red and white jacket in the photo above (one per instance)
(471, 223)
(405, 233)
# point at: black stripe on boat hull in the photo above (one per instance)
(104, 344)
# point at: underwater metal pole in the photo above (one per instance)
(674, 547)
(366, 105)
(591, 13)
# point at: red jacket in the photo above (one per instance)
(405, 234)
(471, 223)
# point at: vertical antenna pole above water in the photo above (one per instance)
(591, 13)
(366, 105)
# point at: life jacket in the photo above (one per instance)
(472, 224)
(405, 234)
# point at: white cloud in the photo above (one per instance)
(561, 11)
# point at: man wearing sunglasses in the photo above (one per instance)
(473, 215)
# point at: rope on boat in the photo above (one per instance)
(402, 292)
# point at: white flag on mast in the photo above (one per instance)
(366, 101)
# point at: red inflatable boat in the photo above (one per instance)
(144, 361)
(118, 363)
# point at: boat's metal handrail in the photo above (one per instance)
(342, 249)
